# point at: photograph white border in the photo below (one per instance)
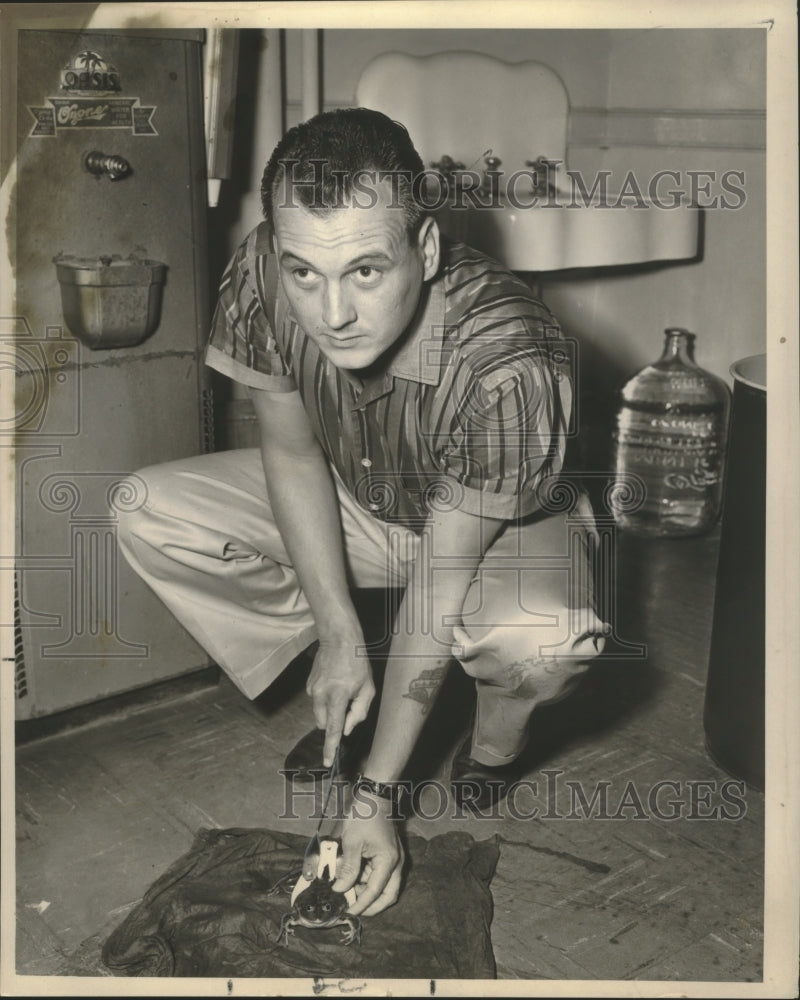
(782, 893)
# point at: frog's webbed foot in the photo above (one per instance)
(287, 927)
(352, 931)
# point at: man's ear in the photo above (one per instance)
(429, 243)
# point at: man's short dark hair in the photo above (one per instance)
(323, 157)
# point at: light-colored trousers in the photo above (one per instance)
(205, 541)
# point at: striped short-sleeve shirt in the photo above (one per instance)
(473, 409)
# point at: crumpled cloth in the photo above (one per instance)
(210, 914)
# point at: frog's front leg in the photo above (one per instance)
(352, 931)
(283, 880)
(288, 923)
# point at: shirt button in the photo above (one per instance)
(366, 463)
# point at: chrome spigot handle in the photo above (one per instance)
(490, 184)
(99, 163)
(447, 165)
(543, 169)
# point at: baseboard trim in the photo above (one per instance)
(106, 709)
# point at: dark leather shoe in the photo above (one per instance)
(304, 760)
(477, 786)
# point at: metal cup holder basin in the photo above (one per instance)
(108, 301)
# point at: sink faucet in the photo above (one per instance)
(544, 181)
(447, 168)
(490, 185)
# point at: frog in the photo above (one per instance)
(318, 906)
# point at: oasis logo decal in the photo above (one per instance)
(89, 84)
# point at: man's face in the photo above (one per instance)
(352, 277)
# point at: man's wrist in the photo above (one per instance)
(341, 631)
(390, 793)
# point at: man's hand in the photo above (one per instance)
(338, 679)
(369, 835)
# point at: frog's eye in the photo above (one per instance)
(309, 907)
(327, 907)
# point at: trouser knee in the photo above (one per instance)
(131, 501)
(534, 662)
(517, 672)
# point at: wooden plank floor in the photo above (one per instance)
(104, 809)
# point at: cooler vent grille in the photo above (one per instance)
(20, 677)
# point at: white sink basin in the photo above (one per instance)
(469, 106)
(565, 236)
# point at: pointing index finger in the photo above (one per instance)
(333, 730)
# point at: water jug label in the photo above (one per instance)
(700, 478)
(688, 382)
(697, 427)
(688, 445)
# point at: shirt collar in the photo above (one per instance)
(419, 357)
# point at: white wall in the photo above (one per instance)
(718, 69)
(706, 94)
(579, 57)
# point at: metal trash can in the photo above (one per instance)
(734, 699)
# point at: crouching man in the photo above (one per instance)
(413, 408)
